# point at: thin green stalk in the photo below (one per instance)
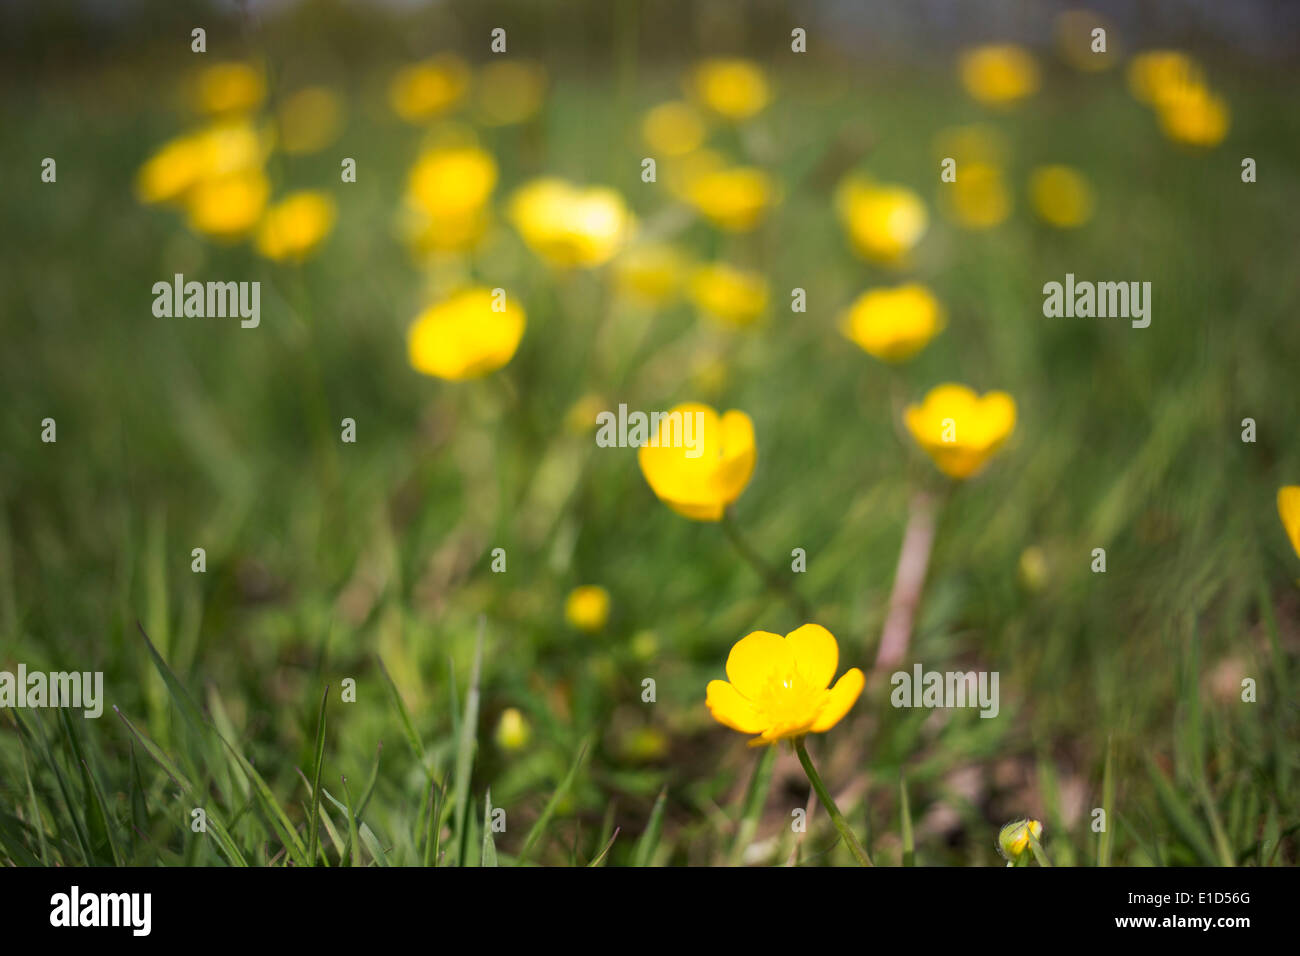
(769, 575)
(824, 796)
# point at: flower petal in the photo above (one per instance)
(754, 658)
(843, 696)
(1288, 508)
(729, 708)
(816, 653)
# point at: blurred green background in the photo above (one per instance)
(323, 558)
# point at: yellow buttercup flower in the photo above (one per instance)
(1288, 507)
(729, 295)
(513, 731)
(295, 226)
(999, 74)
(510, 91)
(567, 225)
(780, 687)
(650, 273)
(960, 430)
(229, 88)
(228, 207)
(734, 199)
(466, 336)
(979, 199)
(217, 151)
(884, 222)
(733, 88)
(587, 608)
(971, 143)
(1194, 116)
(1013, 839)
(683, 172)
(309, 120)
(894, 324)
(170, 171)
(673, 128)
(423, 90)
(1061, 196)
(699, 474)
(1155, 75)
(447, 195)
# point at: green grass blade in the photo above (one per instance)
(760, 783)
(905, 812)
(466, 744)
(649, 842)
(489, 855)
(313, 822)
(538, 828)
(1107, 805)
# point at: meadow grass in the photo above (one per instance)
(370, 561)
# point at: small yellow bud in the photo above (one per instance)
(1013, 840)
(1033, 568)
(587, 608)
(512, 730)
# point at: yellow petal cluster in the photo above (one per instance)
(1288, 507)
(1061, 196)
(732, 296)
(735, 198)
(571, 226)
(587, 608)
(733, 88)
(884, 222)
(447, 196)
(780, 687)
(893, 324)
(465, 336)
(959, 429)
(999, 74)
(421, 91)
(293, 227)
(700, 486)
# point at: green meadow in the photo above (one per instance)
(328, 691)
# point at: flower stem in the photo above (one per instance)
(769, 575)
(837, 818)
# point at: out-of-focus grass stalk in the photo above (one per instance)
(769, 575)
(760, 783)
(909, 580)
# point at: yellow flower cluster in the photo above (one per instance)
(217, 177)
(1173, 84)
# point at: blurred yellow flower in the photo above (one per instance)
(733, 199)
(1013, 839)
(734, 88)
(894, 324)
(999, 74)
(567, 225)
(229, 88)
(587, 608)
(980, 198)
(1288, 507)
(682, 173)
(780, 687)
(699, 478)
(1061, 196)
(960, 430)
(884, 222)
(510, 91)
(295, 226)
(216, 151)
(650, 273)
(731, 296)
(673, 128)
(423, 90)
(170, 171)
(447, 194)
(513, 731)
(1156, 75)
(228, 207)
(309, 120)
(1033, 568)
(466, 336)
(1194, 116)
